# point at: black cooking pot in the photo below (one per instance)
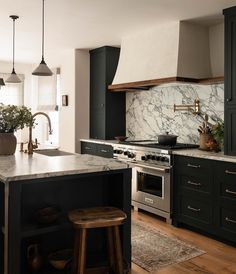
(167, 139)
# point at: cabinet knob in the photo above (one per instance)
(228, 99)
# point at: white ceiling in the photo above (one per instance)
(90, 23)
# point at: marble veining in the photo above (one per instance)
(150, 113)
(22, 166)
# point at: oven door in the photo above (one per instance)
(151, 186)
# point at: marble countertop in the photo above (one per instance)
(98, 141)
(218, 156)
(22, 166)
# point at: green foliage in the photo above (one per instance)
(14, 117)
(218, 131)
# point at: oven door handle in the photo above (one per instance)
(164, 169)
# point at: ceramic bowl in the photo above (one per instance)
(60, 258)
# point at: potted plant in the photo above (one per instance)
(12, 118)
(218, 132)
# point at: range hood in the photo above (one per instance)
(178, 51)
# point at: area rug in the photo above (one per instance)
(152, 249)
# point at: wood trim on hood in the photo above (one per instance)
(145, 85)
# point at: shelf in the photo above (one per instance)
(35, 230)
(145, 85)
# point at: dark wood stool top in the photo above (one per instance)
(96, 217)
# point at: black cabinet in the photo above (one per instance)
(205, 196)
(107, 109)
(193, 186)
(230, 81)
(107, 188)
(97, 149)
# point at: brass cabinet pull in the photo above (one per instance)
(194, 166)
(88, 148)
(230, 172)
(103, 150)
(230, 220)
(194, 184)
(230, 192)
(194, 209)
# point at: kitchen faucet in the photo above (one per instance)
(31, 146)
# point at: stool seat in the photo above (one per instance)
(96, 217)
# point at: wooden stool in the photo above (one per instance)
(97, 217)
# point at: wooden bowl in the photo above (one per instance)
(60, 258)
(120, 138)
(48, 214)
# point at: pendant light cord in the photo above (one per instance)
(43, 31)
(13, 45)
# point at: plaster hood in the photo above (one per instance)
(178, 51)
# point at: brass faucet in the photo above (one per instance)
(31, 146)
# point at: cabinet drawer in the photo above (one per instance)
(88, 148)
(228, 219)
(197, 210)
(195, 183)
(104, 150)
(197, 167)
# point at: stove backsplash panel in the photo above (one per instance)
(150, 113)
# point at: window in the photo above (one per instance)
(12, 94)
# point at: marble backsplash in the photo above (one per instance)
(150, 113)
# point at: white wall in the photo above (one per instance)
(82, 76)
(216, 40)
(67, 113)
(194, 51)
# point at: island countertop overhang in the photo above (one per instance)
(22, 166)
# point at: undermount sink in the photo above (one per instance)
(52, 152)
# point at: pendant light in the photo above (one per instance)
(13, 77)
(42, 69)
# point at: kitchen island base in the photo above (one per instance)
(21, 229)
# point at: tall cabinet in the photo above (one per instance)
(107, 109)
(230, 81)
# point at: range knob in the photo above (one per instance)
(131, 155)
(164, 159)
(143, 158)
(153, 157)
(149, 157)
(158, 158)
(119, 151)
(125, 152)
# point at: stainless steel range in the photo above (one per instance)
(151, 174)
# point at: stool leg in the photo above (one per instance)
(81, 257)
(118, 252)
(110, 246)
(76, 253)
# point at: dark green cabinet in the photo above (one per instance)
(97, 149)
(230, 81)
(107, 109)
(205, 196)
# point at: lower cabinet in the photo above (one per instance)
(205, 196)
(97, 149)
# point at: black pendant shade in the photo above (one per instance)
(13, 77)
(42, 69)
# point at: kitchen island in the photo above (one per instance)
(28, 183)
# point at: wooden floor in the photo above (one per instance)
(219, 258)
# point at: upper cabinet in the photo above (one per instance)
(107, 110)
(230, 81)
